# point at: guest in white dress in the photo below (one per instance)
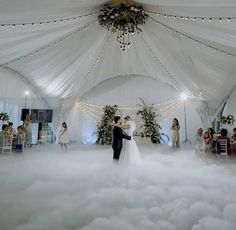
(27, 126)
(200, 147)
(63, 136)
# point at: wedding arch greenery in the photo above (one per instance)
(105, 126)
(150, 127)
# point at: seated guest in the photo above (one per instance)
(207, 141)
(233, 137)
(211, 132)
(4, 130)
(10, 129)
(233, 142)
(21, 135)
(223, 135)
(199, 140)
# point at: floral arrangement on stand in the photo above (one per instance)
(229, 120)
(123, 17)
(150, 127)
(105, 126)
(4, 117)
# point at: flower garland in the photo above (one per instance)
(229, 120)
(105, 126)
(125, 17)
(4, 117)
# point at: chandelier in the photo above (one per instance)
(124, 18)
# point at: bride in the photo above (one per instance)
(129, 153)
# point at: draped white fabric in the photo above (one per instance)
(68, 58)
(82, 119)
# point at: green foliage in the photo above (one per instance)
(4, 117)
(150, 128)
(105, 126)
(123, 17)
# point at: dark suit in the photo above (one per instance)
(117, 144)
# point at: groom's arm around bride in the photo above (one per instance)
(118, 136)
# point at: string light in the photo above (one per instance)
(98, 59)
(190, 38)
(13, 25)
(100, 107)
(52, 44)
(170, 77)
(198, 18)
(95, 111)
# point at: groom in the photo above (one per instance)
(118, 136)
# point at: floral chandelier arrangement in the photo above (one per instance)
(123, 17)
(229, 120)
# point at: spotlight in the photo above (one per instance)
(184, 96)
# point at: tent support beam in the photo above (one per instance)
(27, 82)
(222, 105)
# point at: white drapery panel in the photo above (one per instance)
(68, 58)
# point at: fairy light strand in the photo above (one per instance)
(191, 38)
(169, 75)
(52, 44)
(165, 112)
(193, 18)
(127, 107)
(53, 21)
(96, 62)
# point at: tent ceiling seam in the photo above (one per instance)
(98, 59)
(172, 80)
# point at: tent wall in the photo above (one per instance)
(125, 92)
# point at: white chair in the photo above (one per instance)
(223, 147)
(6, 143)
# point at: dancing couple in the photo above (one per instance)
(124, 146)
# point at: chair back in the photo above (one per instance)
(223, 147)
(6, 143)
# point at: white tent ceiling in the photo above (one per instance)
(61, 56)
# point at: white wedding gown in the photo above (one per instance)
(130, 153)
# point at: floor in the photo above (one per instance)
(46, 188)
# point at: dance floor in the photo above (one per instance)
(48, 189)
